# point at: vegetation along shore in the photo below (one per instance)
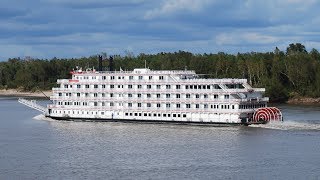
(287, 75)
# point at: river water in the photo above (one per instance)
(33, 148)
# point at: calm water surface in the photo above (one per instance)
(31, 148)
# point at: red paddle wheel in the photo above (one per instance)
(267, 114)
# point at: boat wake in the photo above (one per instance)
(42, 118)
(290, 125)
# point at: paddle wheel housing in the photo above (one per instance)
(267, 114)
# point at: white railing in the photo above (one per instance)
(32, 104)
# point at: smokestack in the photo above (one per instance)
(111, 64)
(100, 63)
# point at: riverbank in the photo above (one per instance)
(17, 93)
(304, 101)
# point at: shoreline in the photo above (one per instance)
(304, 101)
(17, 93)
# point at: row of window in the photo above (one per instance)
(252, 106)
(120, 77)
(148, 105)
(174, 115)
(139, 86)
(139, 95)
(156, 114)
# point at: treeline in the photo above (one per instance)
(284, 74)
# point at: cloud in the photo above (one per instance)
(237, 38)
(73, 28)
(173, 6)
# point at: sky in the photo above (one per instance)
(78, 28)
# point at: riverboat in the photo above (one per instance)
(145, 95)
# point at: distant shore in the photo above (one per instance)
(17, 93)
(304, 101)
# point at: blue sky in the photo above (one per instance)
(76, 28)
